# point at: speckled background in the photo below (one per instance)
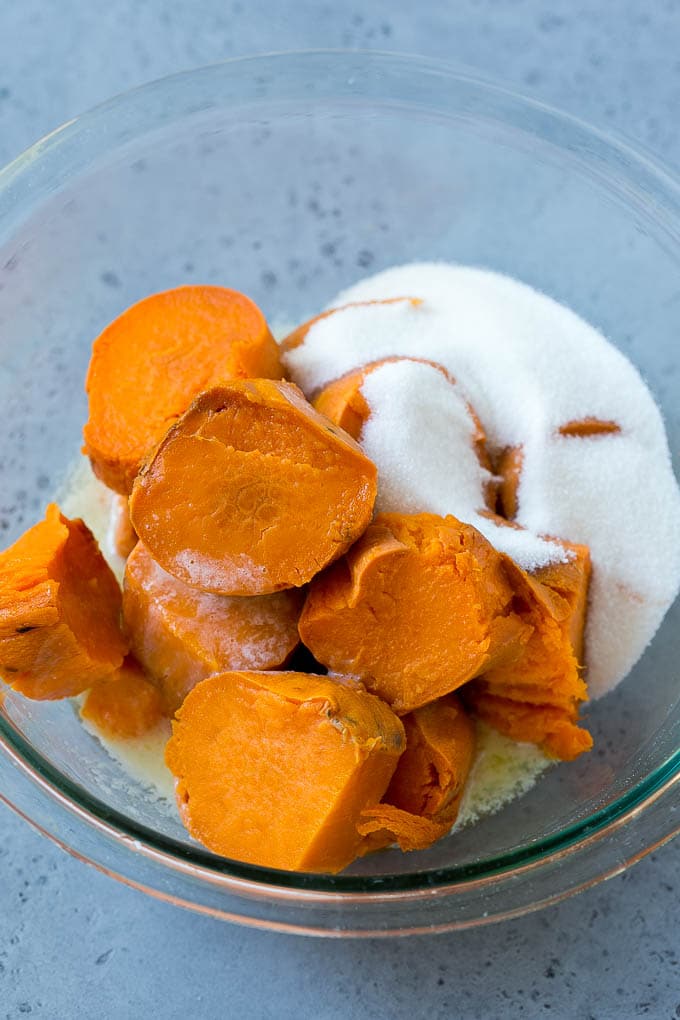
(72, 943)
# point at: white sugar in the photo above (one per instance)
(411, 399)
(527, 365)
(525, 547)
(503, 769)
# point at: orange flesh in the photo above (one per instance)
(124, 705)
(571, 581)
(252, 491)
(244, 748)
(343, 402)
(546, 682)
(423, 798)
(182, 635)
(149, 364)
(584, 427)
(419, 606)
(59, 611)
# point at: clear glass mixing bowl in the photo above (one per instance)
(289, 177)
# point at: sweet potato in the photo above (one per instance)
(571, 582)
(553, 602)
(345, 404)
(123, 535)
(276, 768)
(125, 704)
(422, 801)
(546, 679)
(419, 606)
(252, 491)
(149, 364)
(182, 635)
(59, 611)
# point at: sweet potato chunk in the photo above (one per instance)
(276, 768)
(419, 606)
(59, 611)
(422, 801)
(545, 683)
(182, 635)
(570, 581)
(252, 491)
(343, 401)
(149, 364)
(125, 704)
(547, 670)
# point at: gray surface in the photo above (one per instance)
(72, 943)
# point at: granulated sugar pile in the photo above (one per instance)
(527, 366)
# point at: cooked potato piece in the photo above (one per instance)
(59, 611)
(252, 491)
(276, 768)
(419, 606)
(181, 635)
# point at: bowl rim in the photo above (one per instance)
(239, 876)
(656, 192)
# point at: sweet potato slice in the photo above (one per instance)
(422, 801)
(419, 606)
(59, 611)
(149, 364)
(276, 768)
(182, 635)
(546, 679)
(252, 491)
(125, 704)
(343, 401)
(123, 535)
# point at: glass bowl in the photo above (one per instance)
(289, 177)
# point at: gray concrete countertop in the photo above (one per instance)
(73, 944)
